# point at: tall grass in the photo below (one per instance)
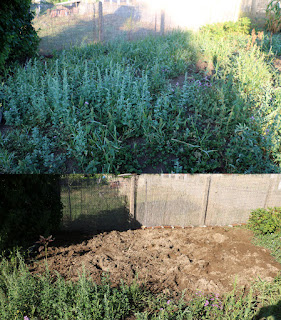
(112, 108)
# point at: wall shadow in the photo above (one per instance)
(29, 206)
(118, 219)
(92, 205)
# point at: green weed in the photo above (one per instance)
(115, 108)
(264, 221)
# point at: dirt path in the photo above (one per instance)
(168, 260)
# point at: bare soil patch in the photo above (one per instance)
(166, 260)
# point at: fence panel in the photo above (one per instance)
(95, 204)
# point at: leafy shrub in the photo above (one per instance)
(247, 150)
(18, 38)
(29, 206)
(241, 26)
(273, 15)
(263, 221)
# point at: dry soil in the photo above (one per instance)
(166, 260)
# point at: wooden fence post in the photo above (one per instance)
(254, 7)
(162, 23)
(155, 25)
(100, 22)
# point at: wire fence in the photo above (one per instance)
(77, 23)
(93, 204)
(80, 22)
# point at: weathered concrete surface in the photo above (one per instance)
(274, 191)
(171, 199)
(233, 197)
(215, 199)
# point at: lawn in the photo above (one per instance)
(198, 102)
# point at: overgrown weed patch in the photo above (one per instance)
(90, 106)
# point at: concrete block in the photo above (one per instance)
(274, 193)
(171, 199)
(233, 197)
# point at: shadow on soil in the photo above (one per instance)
(92, 206)
(273, 311)
(86, 226)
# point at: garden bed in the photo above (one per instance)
(164, 260)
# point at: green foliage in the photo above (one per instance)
(242, 26)
(112, 108)
(29, 206)
(18, 38)
(23, 294)
(273, 15)
(271, 241)
(263, 221)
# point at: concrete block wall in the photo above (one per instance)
(201, 199)
(233, 197)
(170, 200)
(166, 199)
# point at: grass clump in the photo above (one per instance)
(49, 296)
(266, 225)
(46, 296)
(242, 26)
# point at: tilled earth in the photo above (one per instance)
(167, 260)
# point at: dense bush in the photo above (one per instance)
(29, 206)
(18, 38)
(263, 221)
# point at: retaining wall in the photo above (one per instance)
(210, 199)
(133, 201)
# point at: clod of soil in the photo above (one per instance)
(167, 260)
